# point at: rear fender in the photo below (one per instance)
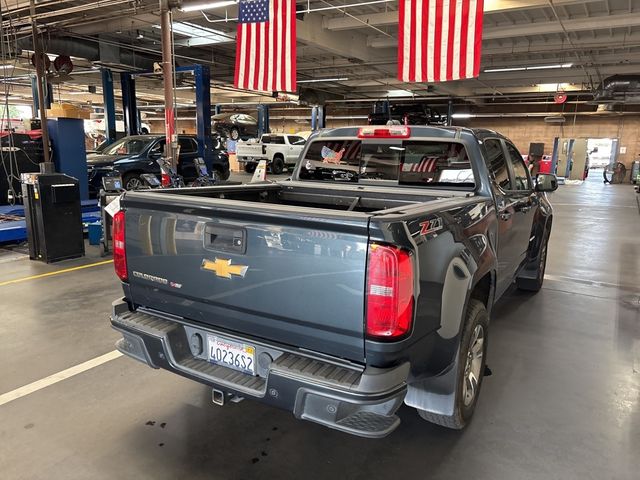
(437, 394)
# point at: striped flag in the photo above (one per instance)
(266, 46)
(439, 40)
(425, 165)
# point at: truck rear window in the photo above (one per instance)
(408, 162)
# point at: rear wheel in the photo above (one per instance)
(277, 165)
(132, 181)
(471, 366)
(249, 167)
(223, 174)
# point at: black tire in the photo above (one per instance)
(223, 174)
(476, 319)
(277, 165)
(234, 134)
(535, 284)
(132, 181)
(250, 167)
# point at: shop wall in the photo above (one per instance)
(523, 131)
(182, 126)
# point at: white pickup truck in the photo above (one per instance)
(281, 152)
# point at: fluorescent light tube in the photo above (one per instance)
(533, 67)
(318, 80)
(193, 7)
(193, 30)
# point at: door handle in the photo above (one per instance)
(505, 216)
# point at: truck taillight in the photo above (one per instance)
(119, 252)
(389, 292)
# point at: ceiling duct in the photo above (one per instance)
(618, 89)
(96, 52)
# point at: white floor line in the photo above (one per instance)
(57, 377)
(582, 281)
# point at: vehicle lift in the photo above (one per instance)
(202, 80)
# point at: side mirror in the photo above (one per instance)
(155, 154)
(546, 182)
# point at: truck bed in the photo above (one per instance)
(284, 262)
(344, 197)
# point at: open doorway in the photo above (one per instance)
(599, 151)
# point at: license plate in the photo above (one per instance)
(232, 354)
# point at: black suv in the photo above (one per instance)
(138, 154)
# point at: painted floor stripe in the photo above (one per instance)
(57, 272)
(582, 281)
(58, 377)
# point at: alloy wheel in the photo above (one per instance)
(472, 369)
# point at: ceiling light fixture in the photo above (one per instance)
(399, 93)
(318, 80)
(204, 34)
(193, 7)
(533, 67)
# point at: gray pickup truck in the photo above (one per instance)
(364, 281)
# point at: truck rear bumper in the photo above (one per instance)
(346, 397)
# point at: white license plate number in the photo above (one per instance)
(232, 354)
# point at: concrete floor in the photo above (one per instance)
(563, 401)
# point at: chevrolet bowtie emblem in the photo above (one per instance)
(223, 268)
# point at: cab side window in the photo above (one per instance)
(187, 145)
(497, 163)
(294, 140)
(521, 179)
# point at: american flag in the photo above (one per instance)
(266, 46)
(439, 40)
(425, 165)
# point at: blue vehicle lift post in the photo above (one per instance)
(202, 80)
(318, 117)
(129, 107)
(109, 105)
(263, 119)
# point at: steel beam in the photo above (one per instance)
(343, 22)
(170, 148)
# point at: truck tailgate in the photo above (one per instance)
(288, 274)
(250, 150)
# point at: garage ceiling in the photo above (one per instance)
(529, 46)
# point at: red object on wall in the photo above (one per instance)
(560, 97)
(545, 164)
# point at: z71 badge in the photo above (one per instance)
(431, 226)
